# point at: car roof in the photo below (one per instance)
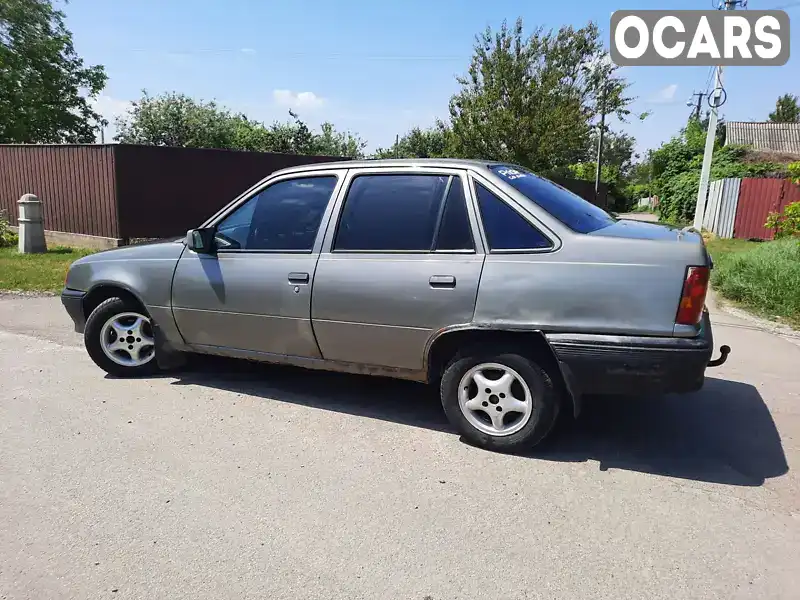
(390, 162)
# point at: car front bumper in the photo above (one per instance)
(73, 302)
(612, 364)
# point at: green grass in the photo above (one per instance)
(718, 247)
(37, 272)
(763, 277)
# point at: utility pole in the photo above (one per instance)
(711, 134)
(699, 103)
(600, 137)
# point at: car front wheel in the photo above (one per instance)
(119, 339)
(504, 402)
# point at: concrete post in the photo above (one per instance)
(31, 228)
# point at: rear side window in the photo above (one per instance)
(505, 228)
(572, 210)
(402, 213)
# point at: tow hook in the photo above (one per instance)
(723, 356)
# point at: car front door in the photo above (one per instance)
(254, 293)
(403, 261)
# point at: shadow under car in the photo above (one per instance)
(723, 433)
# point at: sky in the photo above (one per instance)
(376, 68)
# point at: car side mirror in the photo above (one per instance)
(201, 240)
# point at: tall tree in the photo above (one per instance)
(45, 88)
(174, 119)
(533, 100)
(786, 110)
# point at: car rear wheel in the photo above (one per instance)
(119, 339)
(503, 402)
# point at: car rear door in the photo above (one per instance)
(255, 293)
(403, 260)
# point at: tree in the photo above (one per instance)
(45, 88)
(674, 169)
(177, 120)
(786, 110)
(419, 143)
(337, 143)
(532, 101)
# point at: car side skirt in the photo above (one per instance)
(319, 364)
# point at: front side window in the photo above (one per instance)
(505, 228)
(572, 210)
(391, 212)
(284, 216)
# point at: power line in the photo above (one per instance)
(293, 55)
(707, 87)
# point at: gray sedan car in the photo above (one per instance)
(513, 295)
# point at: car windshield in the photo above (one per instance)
(572, 210)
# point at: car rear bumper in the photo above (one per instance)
(611, 364)
(73, 302)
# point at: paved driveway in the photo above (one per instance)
(235, 481)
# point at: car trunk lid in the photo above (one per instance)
(640, 230)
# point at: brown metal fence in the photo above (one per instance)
(75, 184)
(758, 198)
(162, 192)
(121, 191)
(585, 189)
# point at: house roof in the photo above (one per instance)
(775, 137)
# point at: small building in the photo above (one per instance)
(764, 136)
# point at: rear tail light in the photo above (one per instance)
(693, 298)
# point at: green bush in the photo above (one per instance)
(787, 223)
(794, 171)
(7, 237)
(765, 279)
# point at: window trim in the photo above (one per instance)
(555, 241)
(261, 187)
(352, 174)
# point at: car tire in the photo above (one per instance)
(523, 425)
(111, 325)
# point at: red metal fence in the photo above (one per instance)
(758, 198)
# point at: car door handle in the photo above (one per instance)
(442, 281)
(298, 277)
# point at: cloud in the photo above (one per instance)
(297, 100)
(110, 108)
(665, 95)
(247, 50)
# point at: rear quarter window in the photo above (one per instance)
(568, 208)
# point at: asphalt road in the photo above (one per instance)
(230, 481)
